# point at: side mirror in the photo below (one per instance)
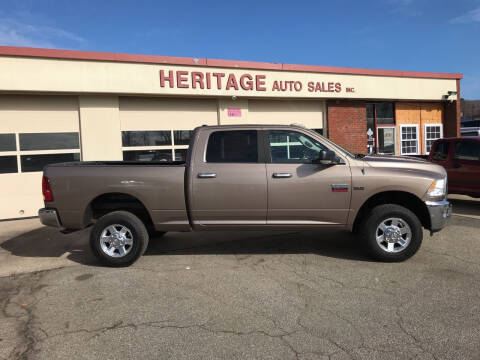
(327, 157)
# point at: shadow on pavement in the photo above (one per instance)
(337, 244)
(46, 242)
(466, 207)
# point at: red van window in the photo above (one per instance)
(467, 150)
(441, 151)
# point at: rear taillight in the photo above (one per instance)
(46, 190)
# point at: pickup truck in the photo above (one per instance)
(461, 159)
(249, 177)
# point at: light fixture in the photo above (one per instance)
(234, 98)
(450, 93)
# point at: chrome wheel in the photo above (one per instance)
(393, 235)
(116, 240)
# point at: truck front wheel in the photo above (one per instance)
(119, 238)
(392, 233)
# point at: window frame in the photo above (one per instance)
(260, 147)
(459, 142)
(266, 146)
(172, 147)
(417, 139)
(19, 153)
(425, 135)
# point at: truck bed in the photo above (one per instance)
(157, 186)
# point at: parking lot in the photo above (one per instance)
(249, 295)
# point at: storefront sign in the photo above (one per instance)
(234, 112)
(183, 79)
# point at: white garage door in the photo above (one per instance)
(308, 113)
(159, 129)
(34, 131)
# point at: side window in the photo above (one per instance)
(467, 150)
(293, 147)
(441, 151)
(236, 146)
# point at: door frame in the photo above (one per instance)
(394, 139)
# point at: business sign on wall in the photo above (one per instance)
(203, 80)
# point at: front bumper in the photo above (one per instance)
(440, 212)
(49, 217)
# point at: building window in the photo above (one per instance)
(8, 164)
(36, 162)
(147, 155)
(7, 142)
(384, 113)
(30, 152)
(182, 137)
(238, 146)
(156, 145)
(409, 139)
(48, 141)
(146, 138)
(432, 133)
(378, 114)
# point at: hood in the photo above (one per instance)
(404, 162)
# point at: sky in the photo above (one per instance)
(419, 35)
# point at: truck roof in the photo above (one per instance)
(236, 126)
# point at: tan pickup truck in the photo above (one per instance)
(249, 178)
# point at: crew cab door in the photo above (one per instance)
(228, 179)
(464, 173)
(301, 192)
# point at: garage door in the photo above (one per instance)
(34, 131)
(159, 129)
(304, 112)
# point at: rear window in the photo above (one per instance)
(441, 151)
(238, 146)
(467, 150)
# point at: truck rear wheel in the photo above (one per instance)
(119, 238)
(392, 233)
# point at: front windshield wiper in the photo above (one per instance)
(359, 156)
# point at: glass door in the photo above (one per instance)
(386, 140)
(380, 128)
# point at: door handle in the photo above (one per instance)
(282, 175)
(456, 165)
(206, 175)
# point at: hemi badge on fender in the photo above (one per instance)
(339, 188)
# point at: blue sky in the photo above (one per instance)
(420, 35)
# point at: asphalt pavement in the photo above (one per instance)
(242, 295)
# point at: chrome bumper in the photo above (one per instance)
(49, 217)
(440, 212)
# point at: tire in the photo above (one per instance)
(393, 224)
(118, 238)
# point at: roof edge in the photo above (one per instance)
(156, 59)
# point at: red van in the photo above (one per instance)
(461, 158)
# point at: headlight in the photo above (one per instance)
(438, 188)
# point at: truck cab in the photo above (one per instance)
(461, 159)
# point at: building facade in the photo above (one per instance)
(61, 105)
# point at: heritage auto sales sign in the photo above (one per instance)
(183, 79)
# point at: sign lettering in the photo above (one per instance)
(182, 79)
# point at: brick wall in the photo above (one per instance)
(347, 125)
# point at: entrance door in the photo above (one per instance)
(301, 192)
(229, 183)
(380, 116)
(386, 140)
